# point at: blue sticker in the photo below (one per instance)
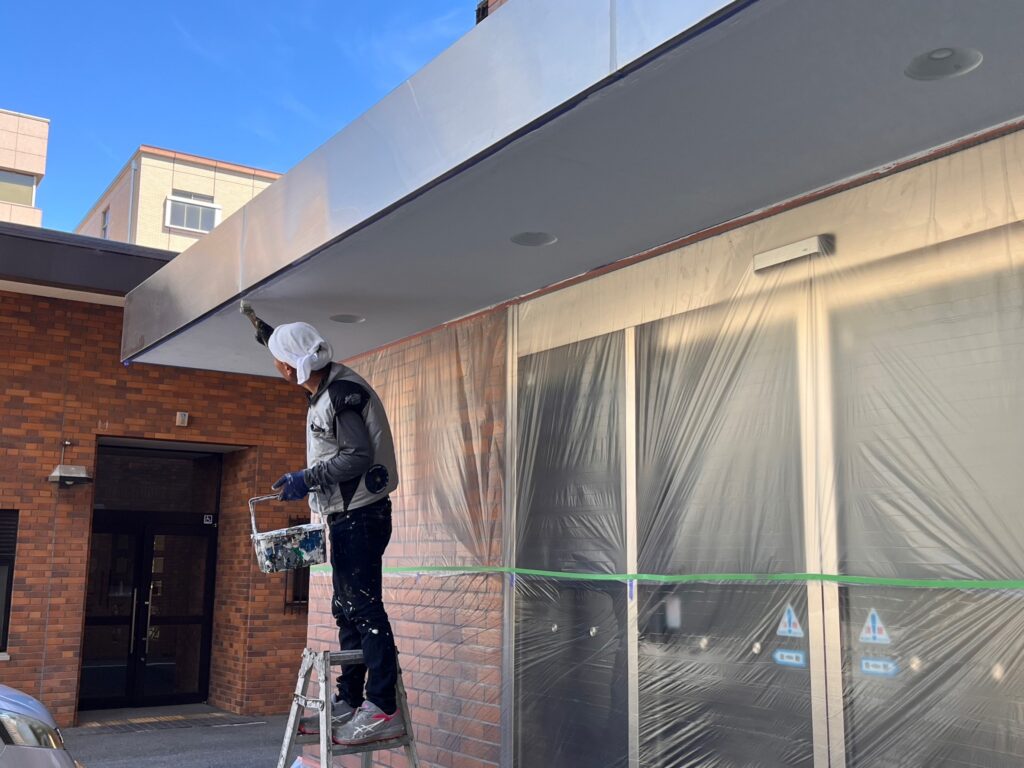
(785, 657)
(879, 667)
(789, 625)
(874, 630)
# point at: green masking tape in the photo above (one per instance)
(705, 578)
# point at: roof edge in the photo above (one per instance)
(77, 240)
(24, 114)
(148, 149)
(103, 195)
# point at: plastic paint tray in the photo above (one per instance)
(288, 548)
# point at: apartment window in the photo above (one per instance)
(8, 541)
(191, 211)
(19, 188)
(105, 224)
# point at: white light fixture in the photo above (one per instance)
(534, 239)
(348, 319)
(943, 63)
(812, 246)
(68, 474)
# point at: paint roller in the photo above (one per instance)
(263, 330)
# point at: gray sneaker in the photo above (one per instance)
(341, 713)
(369, 724)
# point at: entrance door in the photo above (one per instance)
(148, 611)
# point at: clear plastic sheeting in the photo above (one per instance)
(929, 396)
(750, 519)
(719, 685)
(719, 472)
(570, 492)
(445, 397)
(947, 688)
(571, 673)
(820, 487)
(930, 386)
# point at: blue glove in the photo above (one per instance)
(293, 486)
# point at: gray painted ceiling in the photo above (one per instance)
(786, 97)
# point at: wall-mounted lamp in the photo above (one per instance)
(68, 474)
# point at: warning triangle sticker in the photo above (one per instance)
(789, 625)
(874, 630)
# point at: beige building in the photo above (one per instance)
(22, 165)
(166, 199)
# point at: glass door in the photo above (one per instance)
(175, 616)
(929, 404)
(724, 667)
(571, 686)
(148, 613)
(111, 618)
(671, 450)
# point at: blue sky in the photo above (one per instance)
(258, 83)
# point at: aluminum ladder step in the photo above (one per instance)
(320, 662)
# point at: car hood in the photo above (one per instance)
(15, 701)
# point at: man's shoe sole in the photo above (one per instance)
(363, 742)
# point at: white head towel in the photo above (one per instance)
(302, 347)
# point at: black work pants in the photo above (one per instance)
(358, 540)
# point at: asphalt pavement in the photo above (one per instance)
(194, 736)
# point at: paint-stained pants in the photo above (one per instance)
(358, 540)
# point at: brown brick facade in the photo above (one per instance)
(60, 378)
(445, 394)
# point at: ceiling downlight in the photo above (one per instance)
(348, 319)
(943, 63)
(534, 239)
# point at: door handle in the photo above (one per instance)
(131, 636)
(149, 614)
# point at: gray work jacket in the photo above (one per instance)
(350, 454)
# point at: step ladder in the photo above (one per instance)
(320, 663)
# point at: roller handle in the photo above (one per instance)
(263, 330)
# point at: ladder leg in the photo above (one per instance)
(323, 663)
(301, 686)
(367, 760)
(403, 703)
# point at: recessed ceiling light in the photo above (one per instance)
(534, 239)
(348, 319)
(943, 63)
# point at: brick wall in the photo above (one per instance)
(445, 395)
(61, 379)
